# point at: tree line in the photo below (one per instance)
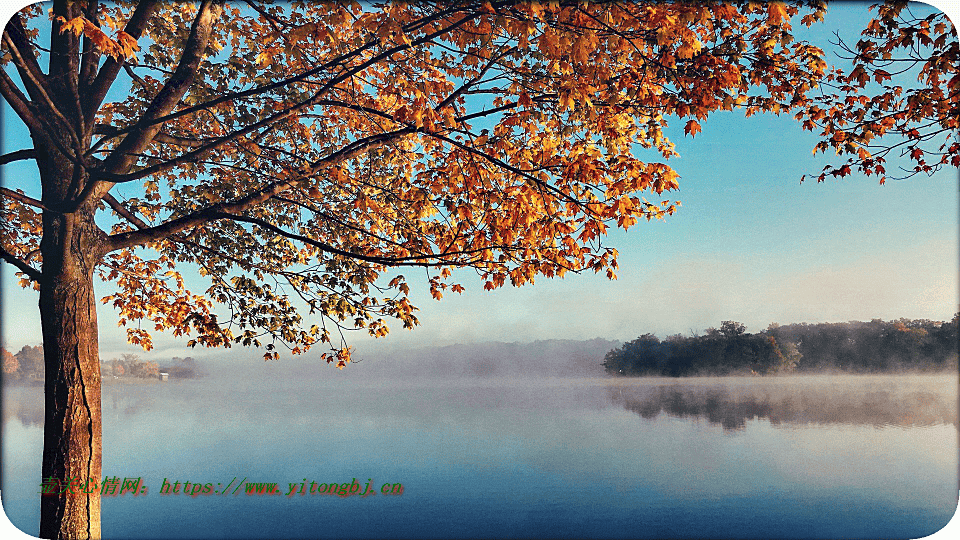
(855, 347)
(26, 367)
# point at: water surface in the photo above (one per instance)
(804, 457)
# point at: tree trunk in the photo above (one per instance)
(72, 434)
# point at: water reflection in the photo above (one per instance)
(23, 403)
(512, 456)
(875, 401)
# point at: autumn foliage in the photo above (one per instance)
(900, 100)
(292, 153)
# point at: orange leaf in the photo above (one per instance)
(776, 13)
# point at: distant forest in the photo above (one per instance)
(855, 347)
(26, 367)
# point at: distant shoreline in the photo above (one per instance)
(110, 380)
(793, 374)
(106, 381)
(877, 346)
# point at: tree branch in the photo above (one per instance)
(502, 164)
(19, 103)
(64, 70)
(210, 213)
(338, 61)
(27, 66)
(16, 195)
(27, 112)
(310, 241)
(141, 134)
(202, 148)
(30, 271)
(28, 153)
(467, 84)
(90, 56)
(123, 156)
(93, 98)
(326, 216)
(112, 131)
(412, 260)
(124, 212)
(267, 122)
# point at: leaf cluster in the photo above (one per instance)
(900, 99)
(294, 152)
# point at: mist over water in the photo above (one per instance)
(515, 440)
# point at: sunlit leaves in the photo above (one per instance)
(21, 229)
(153, 291)
(124, 46)
(320, 145)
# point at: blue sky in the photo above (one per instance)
(749, 243)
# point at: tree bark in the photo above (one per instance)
(72, 429)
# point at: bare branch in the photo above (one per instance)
(124, 212)
(19, 103)
(64, 69)
(136, 78)
(90, 56)
(29, 69)
(28, 153)
(35, 121)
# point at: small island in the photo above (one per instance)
(877, 346)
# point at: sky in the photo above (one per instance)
(750, 243)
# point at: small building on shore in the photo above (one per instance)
(163, 376)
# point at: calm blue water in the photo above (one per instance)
(812, 457)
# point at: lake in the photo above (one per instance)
(566, 457)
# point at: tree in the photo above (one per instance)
(132, 365)
(10, 364)
(732, 328)
(31, 363)
(879, 96)
(295, 154)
